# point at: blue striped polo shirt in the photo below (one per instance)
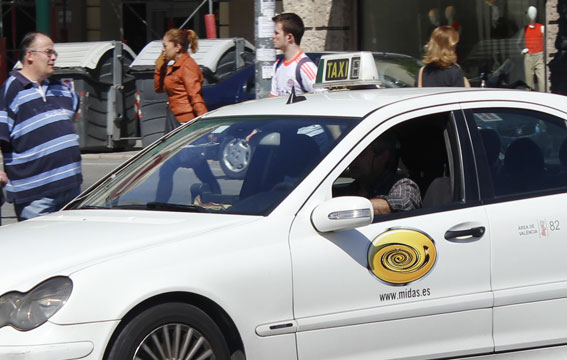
(38, 138)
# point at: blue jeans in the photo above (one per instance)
(45, 205)
(186, 158)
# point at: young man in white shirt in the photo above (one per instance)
(295, 70)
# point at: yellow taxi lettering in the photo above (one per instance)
(342, 70)
(333, 70)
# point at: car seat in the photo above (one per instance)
(523, 166)
(438, 193)
(561, 178)
(563, 155)
(279, 161)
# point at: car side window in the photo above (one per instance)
(526, 151)
(411, 166)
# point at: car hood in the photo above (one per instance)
(67, 241)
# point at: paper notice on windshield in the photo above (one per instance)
(265, 27)
(488, 117)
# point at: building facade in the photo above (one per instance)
(492, 31)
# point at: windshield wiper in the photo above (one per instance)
(148, 206)
(87, 207)
(173, 207)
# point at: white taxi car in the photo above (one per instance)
(168, 258)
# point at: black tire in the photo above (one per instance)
(234, 157)
(152, 127)
(181, 322)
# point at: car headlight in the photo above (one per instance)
(26, 311)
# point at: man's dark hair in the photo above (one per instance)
(292, 24)
(26, 42)
(388, 141)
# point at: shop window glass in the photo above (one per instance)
(491, 34)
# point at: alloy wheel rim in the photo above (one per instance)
(174, 342)
(236, 155)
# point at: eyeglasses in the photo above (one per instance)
(48, 52)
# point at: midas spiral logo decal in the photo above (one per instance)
(400, 256)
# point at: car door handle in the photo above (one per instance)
(466, 235)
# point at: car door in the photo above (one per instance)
(522, 152)
(355, 296)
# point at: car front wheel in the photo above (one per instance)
(170, 331)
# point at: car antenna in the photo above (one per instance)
(293, 98)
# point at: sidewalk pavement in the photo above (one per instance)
(103, 155)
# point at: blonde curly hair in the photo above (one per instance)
(440, 50)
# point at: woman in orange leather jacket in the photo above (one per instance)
(182, 81)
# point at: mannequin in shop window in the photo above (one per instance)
(501, 27)
(450, 13)
(434, 18)
(533, 50)
(434, 21)
(497, 22)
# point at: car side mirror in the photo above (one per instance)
(342, 213)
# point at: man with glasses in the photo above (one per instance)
(37, 136)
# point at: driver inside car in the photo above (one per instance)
(375, 173)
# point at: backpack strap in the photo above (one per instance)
(298, 78)
(419, 80)
(298, 71)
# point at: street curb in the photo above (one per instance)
(125, 155)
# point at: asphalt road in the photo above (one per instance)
(95, 166)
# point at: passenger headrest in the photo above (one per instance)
(301, 154)
(524, 158)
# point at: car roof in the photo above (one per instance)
(208, 54)
(359, 103)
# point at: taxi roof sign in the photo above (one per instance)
(347, 70)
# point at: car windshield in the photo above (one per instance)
(397, 71)
(224, 165)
